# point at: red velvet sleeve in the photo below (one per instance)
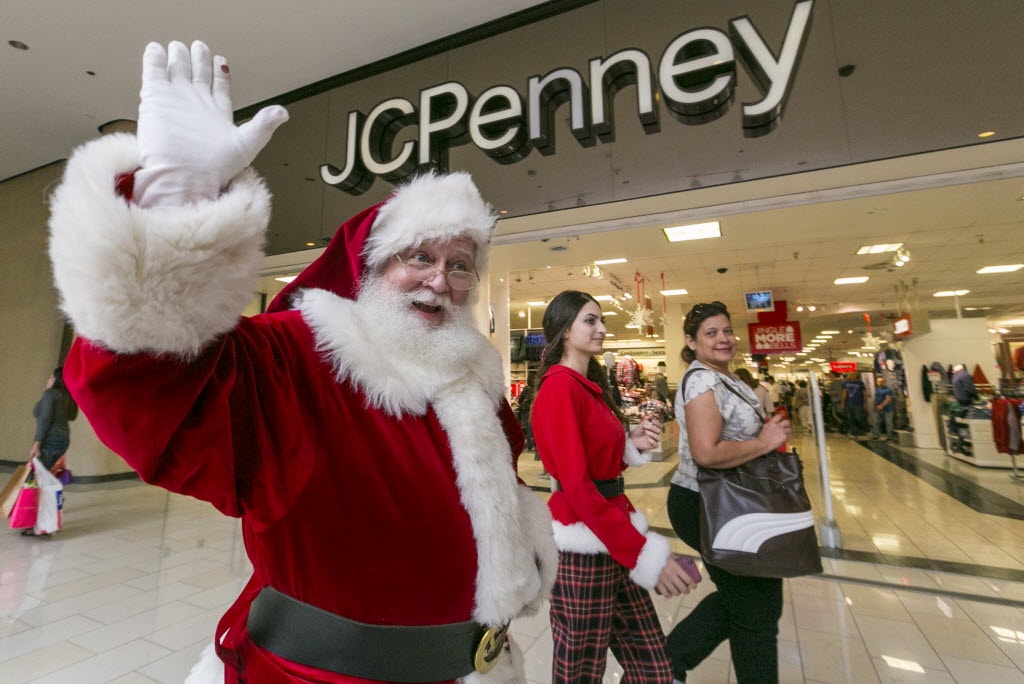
(564, 434)
(217, 427)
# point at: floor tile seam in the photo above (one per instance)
(984, 632)
(908, 462)
(900, 586)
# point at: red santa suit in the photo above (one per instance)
(370, 485)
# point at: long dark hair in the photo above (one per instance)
(691, 324)
(62, 390)
(558, 318)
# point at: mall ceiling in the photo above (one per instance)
(793, 235)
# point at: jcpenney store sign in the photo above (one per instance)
(695, 76)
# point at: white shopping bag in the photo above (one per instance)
(51, 499)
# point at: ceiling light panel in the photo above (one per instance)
(850, 281)
(695, 231)
(604, 262)
(670, 293)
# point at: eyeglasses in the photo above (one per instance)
(425, 270)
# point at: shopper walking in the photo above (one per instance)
(720, 427)
(852, 402)
(607, 557)
(54, 410)
(884, 410)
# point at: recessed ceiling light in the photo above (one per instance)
(951, 293)
(609, 313)
(977, 308)
(850, 281)
(829, 332)
(670, 293)
(696, 231)
(1008, 268)
(522, 314)
(986, 134)
(609, 261)
(604, 298)
(536, 303)
(286, 279)
(609, 334)
(310, 244)
(878, 249)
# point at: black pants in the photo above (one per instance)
(744, 610)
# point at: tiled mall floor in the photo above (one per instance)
(928, 585)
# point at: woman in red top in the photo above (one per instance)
(607, 558)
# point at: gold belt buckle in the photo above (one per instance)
(489, 648)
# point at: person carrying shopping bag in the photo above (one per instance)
(720, 426)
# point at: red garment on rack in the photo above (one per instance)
(1006, 425)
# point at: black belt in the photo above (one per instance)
(312, 636)
(609, 489)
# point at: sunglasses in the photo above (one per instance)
(701, 309)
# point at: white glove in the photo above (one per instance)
(189, 146)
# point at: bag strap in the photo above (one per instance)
(757, 409)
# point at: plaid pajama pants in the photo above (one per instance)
(596, 606)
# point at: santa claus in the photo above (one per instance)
(358, 428)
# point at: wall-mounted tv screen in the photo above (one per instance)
(761, 300)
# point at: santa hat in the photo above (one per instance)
(431, 206)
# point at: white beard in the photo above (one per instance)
(379, 342)
(390, 321)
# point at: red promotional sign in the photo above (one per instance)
(774, 338)
(843, 366)
(901, 326)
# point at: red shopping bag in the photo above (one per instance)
(24, 512)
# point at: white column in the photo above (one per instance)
(497, 289)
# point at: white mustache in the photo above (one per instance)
(431, 299)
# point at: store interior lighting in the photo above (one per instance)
(695, 231)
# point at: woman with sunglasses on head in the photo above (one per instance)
(607, 557)
(721, 425)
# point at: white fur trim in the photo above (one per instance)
(538, 522)
(633, 457)
(579, 538)
(164, 280)
(651, 561)
(208, 670)
(465, 400)
(431, 206)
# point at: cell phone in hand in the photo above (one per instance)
(690, 566)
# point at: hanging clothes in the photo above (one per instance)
(627, 372)
(1006, 431)
(926, 384)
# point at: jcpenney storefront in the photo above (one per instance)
(806, 129)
